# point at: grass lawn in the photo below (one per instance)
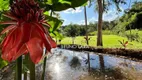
(109, 41)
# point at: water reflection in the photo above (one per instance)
(102, 65)
(75, 62)
(71, 65)
(57, 68)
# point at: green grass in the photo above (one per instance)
(109, 41)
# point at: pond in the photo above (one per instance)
(72, 65)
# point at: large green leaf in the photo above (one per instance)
(55, 23)
(59, 5)
(77, 3)
(57, 34)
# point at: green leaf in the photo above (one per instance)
(59, 5)
(54, 23)
(56, 34)
(46, 13)
(4, 5)
(77, 3)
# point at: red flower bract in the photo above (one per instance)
(25, 32)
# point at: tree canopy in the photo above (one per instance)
(131, 19)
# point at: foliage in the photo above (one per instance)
(130, 20)
(91, 29)
(54, 5)
(2, 63)
(71, 30)
(137, 7)
(107, 3)
(59, 5)
(134, 36)
(4, 5)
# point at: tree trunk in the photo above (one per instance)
(73, 38)
(99, 33)
(85, 15)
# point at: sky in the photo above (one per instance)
(77, 16)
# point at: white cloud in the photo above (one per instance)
(110, 15)
(93, 19)
(66, 22)
(72, 11)
(82, 22)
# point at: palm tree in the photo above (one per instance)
(100, 20)
(87, 40)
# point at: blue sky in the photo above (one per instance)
(77, 16)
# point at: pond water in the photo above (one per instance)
(71, 65)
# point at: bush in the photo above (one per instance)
(134, 36)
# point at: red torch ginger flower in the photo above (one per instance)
(26, 32)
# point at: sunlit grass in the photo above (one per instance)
(109, 41)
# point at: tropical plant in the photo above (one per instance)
(87, 38)
(27, 20)
(123, 43)
(26, 34)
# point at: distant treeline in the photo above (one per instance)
(81, 30)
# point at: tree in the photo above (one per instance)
(102, 5)
(71, 31)
(99, 29)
